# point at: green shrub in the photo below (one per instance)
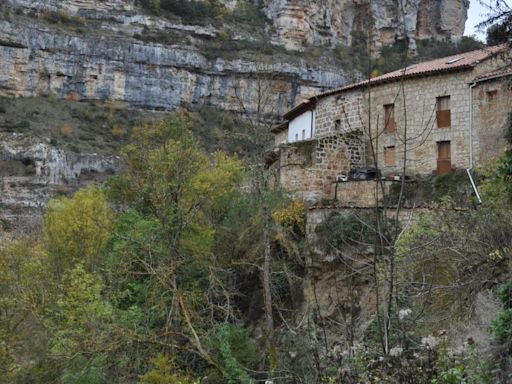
(164, 371)
(351, 229)
(188, 10)
(249, 13)
(62, 17)
(84, 372)
(236, 353)
(501, 328)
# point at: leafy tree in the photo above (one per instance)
(77, 229)
(498, 22)
(162, 259)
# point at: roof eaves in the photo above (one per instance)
(279, 127)
(307, 105)
(392, 79)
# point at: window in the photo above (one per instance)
(443, 114)
(337, 125)
(491, 96)
(303, 134)
(389, 118)
(444, 157)
(296, 137)
(389, 156)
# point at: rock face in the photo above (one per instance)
(41, 59)
(33, 172)
(38, 61)
(329, 22)
(107, 58)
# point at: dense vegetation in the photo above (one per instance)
(143, 277)
(213, 11)
(156, 277)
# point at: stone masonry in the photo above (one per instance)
(310, 168)
(417, 138)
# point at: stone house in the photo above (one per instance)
(427, 118)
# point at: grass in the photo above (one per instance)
(103, 128)
(77, 126)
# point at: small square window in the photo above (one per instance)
(492, 96)
(337, 125)
(389, 156)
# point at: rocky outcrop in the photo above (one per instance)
(32, 172)
(38, 60)
(106, 56)
(331, 22)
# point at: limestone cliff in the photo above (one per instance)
(330, 22)
(111, 49)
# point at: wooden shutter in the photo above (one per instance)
(389, 156)
(444, 157)
(389, 118)
(443, 113)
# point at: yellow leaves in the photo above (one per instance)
(23, 274)
(292, 217)
(81, 300)
(81, 317)
(77, 228)
(497, 255)
(215, 181)
(164, 372)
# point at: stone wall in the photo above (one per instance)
(416, 119)
(416, 122)
(346, 108)
(318, 214)
(415, 140)
(492, 102)
(310, 168)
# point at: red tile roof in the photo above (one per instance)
(299, 109)
(457, 62)
(494, 74)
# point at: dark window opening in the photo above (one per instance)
(492, 96)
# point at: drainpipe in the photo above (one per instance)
(312, 122)
(471, 86)
(468, 170)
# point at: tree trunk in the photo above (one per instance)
(266, 279)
